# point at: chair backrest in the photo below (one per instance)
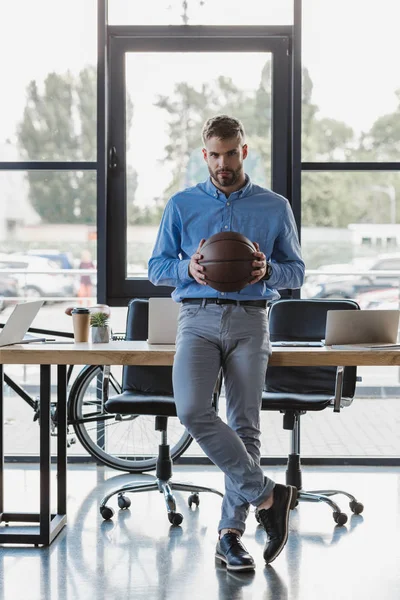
(298, 320)
(152, 380)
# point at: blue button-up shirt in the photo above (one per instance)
(200, 211)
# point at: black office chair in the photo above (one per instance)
(295, 390)
(147, 390)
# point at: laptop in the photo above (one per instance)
(18, 323)
(163, 320)
(370, 328)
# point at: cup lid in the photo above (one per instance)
(80, 310)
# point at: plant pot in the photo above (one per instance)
(101, 335)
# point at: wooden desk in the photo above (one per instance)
(115, 353)
(141, 353)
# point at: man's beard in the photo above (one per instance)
(230, 179)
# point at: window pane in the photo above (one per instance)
(47, 232)
(350, 231)
(49, 92)
(351, 103)
(47, 229)
(349, 235)
(178, 92)
(352, 433)
(200, 12)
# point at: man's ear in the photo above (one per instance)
(245, 150)
(204, 151)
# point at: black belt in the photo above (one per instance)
(261, 303)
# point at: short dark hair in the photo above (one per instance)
(223, 128)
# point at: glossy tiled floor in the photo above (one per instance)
(139, 555)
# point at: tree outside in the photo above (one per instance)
(59, 123)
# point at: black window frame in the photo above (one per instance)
(116, 289)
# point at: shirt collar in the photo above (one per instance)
(212, 190)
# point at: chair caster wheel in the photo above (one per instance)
(356, 507)
(340, 518)
(106, 512)
(123, 502)
(175, 518)
(193, 499)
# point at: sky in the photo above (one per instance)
(350, 48)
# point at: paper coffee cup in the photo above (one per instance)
(81, 323)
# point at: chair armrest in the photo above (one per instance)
(105, 384)
(217, 390)
(338, 389)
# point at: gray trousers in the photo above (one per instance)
(235, 338)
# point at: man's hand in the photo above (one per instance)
(196, 270)
(260, 265)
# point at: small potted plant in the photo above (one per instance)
(100, 328)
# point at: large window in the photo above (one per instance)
(155, 133)
(350, 142)
(164, 66)
(351, 185)
(47, 67)
(349, 215)
(350, 80)
(48, 137)
(163, 145)
(48, 214)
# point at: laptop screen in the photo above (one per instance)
(361, 327)
(19, 322)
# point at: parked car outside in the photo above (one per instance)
(64, 260)
(385, 299)
(39, 285)
(351, 285)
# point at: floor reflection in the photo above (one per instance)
(138, 554)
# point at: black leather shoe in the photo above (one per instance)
(231, 551)
(275, 520)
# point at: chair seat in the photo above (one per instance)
(133, 402)
(288, 401)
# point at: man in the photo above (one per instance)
(229, 330)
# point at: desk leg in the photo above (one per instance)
(45, 455)
(1, 441)
(49, 525)
(62, 439)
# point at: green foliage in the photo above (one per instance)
(99, 319)
(329, 199)
(325, 203)
(188, 108)
(59, 124)
(382, 142)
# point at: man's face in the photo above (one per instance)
(224, 159)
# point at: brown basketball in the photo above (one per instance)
(227, 258)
